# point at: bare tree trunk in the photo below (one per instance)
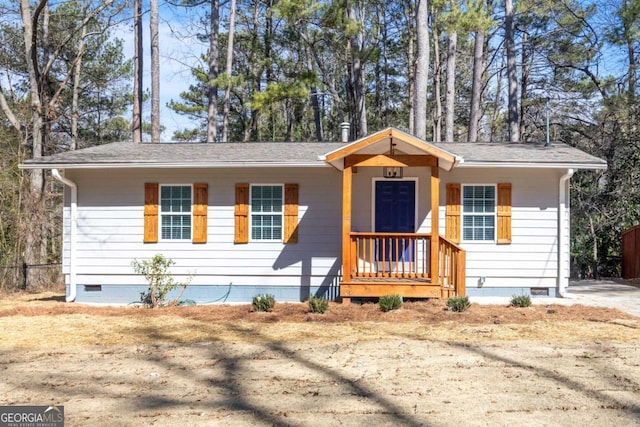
(252, 130)
(524, 83)
(212, 91)
(411, 68)
(437, 85)
(475, 111)
(315, 104)
(76, 91)
(495, 116)
(228, 70)
(422, 69)
(359, 79)
(44, 97)
(594, 258)
(137, 71)
(385, 60)
(155, 72)
(514, 135)
(449, 121)
(268, 40)
(34, 201)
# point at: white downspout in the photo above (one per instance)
(563, 208)
(73, 220)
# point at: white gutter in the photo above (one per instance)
(73, 220)
(563, 210)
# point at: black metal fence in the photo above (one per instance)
(30, 276)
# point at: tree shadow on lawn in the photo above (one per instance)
(610, 374)
(236, 394)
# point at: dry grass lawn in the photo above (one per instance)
(354, 365)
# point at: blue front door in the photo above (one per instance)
(395, 206)
(395, 212)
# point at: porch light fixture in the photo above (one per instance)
(392, 172)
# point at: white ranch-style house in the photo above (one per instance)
(386, 214)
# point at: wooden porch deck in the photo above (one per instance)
(400, 263)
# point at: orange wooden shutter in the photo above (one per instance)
(150, 212)
(242, 214)
(453, 213)
(200, 208)
(291, 213)
(504, 214)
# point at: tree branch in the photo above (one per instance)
(4, 106)
(66, 40)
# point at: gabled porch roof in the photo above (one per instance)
(391, 145)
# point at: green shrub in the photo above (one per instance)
(161, 281)
(318, 305)
(521, 301)
(390, 302)
(263, 302)
(458, 304)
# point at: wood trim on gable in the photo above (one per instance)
(398, 160)
(151, 190)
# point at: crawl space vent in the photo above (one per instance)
(540, 292)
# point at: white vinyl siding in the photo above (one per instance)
(531, 260)
(175, 212)
(110, 223)
(478, 213)
(266, 212)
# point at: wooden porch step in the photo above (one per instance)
(377, 287)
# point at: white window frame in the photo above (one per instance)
(483, 214)
(252, 213)
(167, 214)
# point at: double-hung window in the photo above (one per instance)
(266, 212)
(478, 212)
(175, 212)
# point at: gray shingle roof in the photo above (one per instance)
(523, 154)
(127, 154)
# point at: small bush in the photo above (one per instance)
(264, 302)
(458, 304)
(521, 301)
(318, 305)
(161, 281)
(390, 302)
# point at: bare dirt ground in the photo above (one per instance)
(353, 366)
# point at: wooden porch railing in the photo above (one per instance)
(405, 256)
(452, 268)
(397, 255)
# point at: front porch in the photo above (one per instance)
(387, 263)
(403, 260)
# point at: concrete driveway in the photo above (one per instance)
(598, 293)
(605, 293)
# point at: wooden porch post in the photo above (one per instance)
(346, 226)
(435, 231)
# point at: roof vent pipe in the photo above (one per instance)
(344, 131)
